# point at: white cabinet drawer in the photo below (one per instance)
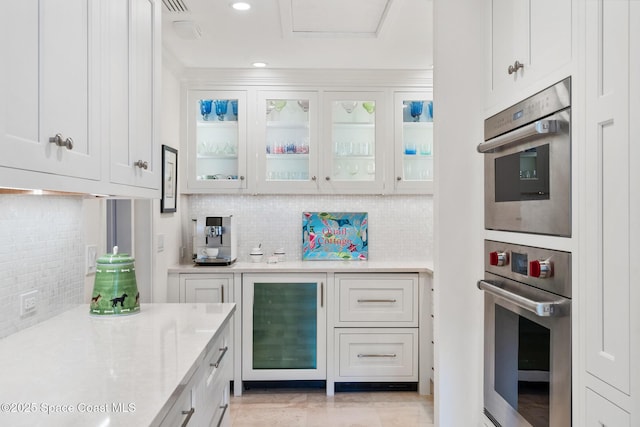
(375, 354)
(181, 412)
(377, 300)
(217, 367)
(602, 412)
(220, 404)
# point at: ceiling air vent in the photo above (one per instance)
(175, 5)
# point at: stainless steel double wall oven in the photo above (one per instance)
(527, 331)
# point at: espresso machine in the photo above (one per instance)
(214, 232)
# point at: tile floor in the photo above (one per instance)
(312, 407)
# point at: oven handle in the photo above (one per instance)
(531, 131)
(555, 308)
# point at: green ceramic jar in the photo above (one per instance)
(115, 291)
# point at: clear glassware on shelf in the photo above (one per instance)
(349, 106)
(287, 139)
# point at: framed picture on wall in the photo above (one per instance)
(169, 201)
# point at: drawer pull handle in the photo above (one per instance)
(377, 355)
(377, 300)
(224, 409)
(224, 351)
(189, 414)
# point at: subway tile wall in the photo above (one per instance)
(400, 227)
(41, 248)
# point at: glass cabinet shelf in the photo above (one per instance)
(413, 141)
(217, 140)
(288, 156)
(217, 156)
(288, 132)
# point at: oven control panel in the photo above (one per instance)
(543, 268)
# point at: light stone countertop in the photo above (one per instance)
(310, 267)
(109, 371)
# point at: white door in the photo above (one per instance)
(133, 40)
(50, 87)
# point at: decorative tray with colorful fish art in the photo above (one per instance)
(335, 236)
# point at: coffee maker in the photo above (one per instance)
(214, 232)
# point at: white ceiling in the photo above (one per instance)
(301, 34)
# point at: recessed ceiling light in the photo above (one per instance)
(259, 64)
(240, 5)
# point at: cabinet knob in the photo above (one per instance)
(399, 178)
(241, 177)
(327, 178)
(313, 178)
(60, 141)
(141, 164)
(515, 67)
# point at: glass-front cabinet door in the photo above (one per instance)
(287, 141)
(352, 142)
(217, 140)
(413, 142)
(284, 329)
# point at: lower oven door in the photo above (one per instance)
(527, 366)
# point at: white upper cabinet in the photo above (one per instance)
(217, 141)
(529, 40)
(352, 142)
(50, 109)
(315, 134)
(286, 143)
(413, 148)
(131, 99)
(79, 101)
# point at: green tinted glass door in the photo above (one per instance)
(285, 325)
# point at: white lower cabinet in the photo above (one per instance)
(198, 287)
(205, 288)
(205, 400)
(182, 411)
(601, 412)
(376, 328)
(316, 326)
(376, 354)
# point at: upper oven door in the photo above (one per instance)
(528, 178)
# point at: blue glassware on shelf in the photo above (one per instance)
(416, 110)
(234, 107)
(221, 107)
(430, 111)
(205, 108)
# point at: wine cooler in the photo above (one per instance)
(284, 327)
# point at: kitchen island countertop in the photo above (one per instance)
(79, 370)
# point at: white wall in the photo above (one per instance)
(41, 248)
(400, 227)
(458, 207)
(167, 225)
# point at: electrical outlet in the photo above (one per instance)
(160, 242)
(28, 303)
(91, 257)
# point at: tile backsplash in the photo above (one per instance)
(400, 227)
(41, 248)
